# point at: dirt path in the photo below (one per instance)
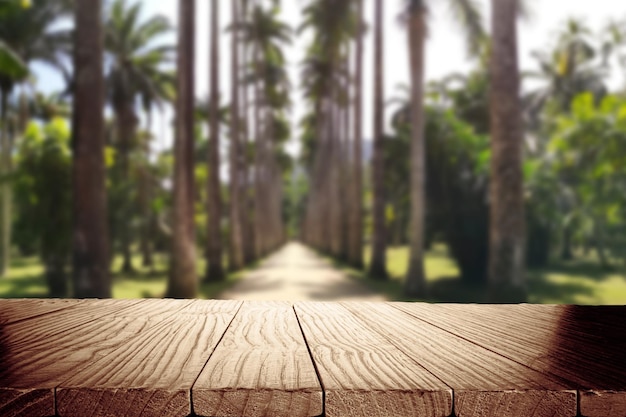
(296, 273)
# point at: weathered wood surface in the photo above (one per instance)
(364, 374)
(227, 358)
(484, 382)
(148, 366)
(261, 367)
(583, 346)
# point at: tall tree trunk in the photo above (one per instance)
(507, 223)
(415, 283)
(90, 236)
(236, 253)
(259, 132)
(334, 182)
(215, 266)
(5, 188)
(145, 196)
(378, 266)
(356, 235)
(182, 281)
(126, 130)
(246, 200)
(344, 164)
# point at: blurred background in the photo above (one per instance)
(398, 141)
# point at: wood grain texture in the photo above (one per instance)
(21, 309)
(362, 373)
(484, 383)
(26, 402)
(37, 352)
(148, 366)
(261, 368)
(583, 346)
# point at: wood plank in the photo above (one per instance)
(362, 373)
(26, 402)
(148, 366)
(261, 368)
(484, 383)
(584, 346)
(14, 310)
(33, 357)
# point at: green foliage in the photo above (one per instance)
(11, 65)
(43, 199)
(588, 152)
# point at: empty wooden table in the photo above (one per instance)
(231, 358)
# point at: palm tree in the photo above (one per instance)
(569, 69)
(507, 221)
(135, 72)
(236, 243)
(265, 34)
(247, 203)
(27, 35)
(90, 235)
(324, 79)
(378, 265)
(182, 282)
(416, 12)
(215, 268)
(356, 229)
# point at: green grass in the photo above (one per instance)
(25, 279)
(581, 281)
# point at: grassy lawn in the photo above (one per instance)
(582, 281)
(25, 280)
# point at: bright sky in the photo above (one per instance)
(445, 48)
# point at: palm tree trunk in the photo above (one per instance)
(182, 281)
(415, 284)
(347, 204)
(215, 267)
(356, 236)
(507, 223)
(90, 236)
(246, 201)
(259, 131)
(146, 194)
(5, 200)
(5, 188)
(378, 266)
(236, 253)
(126, 130)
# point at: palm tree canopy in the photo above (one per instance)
(27, 34)
(135, 61)
(466, 12)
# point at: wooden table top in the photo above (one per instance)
(232, 358)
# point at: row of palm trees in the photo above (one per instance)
(254, 177)
(333, 223)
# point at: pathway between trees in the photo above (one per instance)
(296, 273)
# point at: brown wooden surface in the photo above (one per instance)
(225, 358)
(362, 373)
(582, 346)
(483, 381)
(148, 366)
(261, 368)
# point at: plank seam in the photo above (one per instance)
(564, 381)
(317, 372)
(193, 412)
(392, 341)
